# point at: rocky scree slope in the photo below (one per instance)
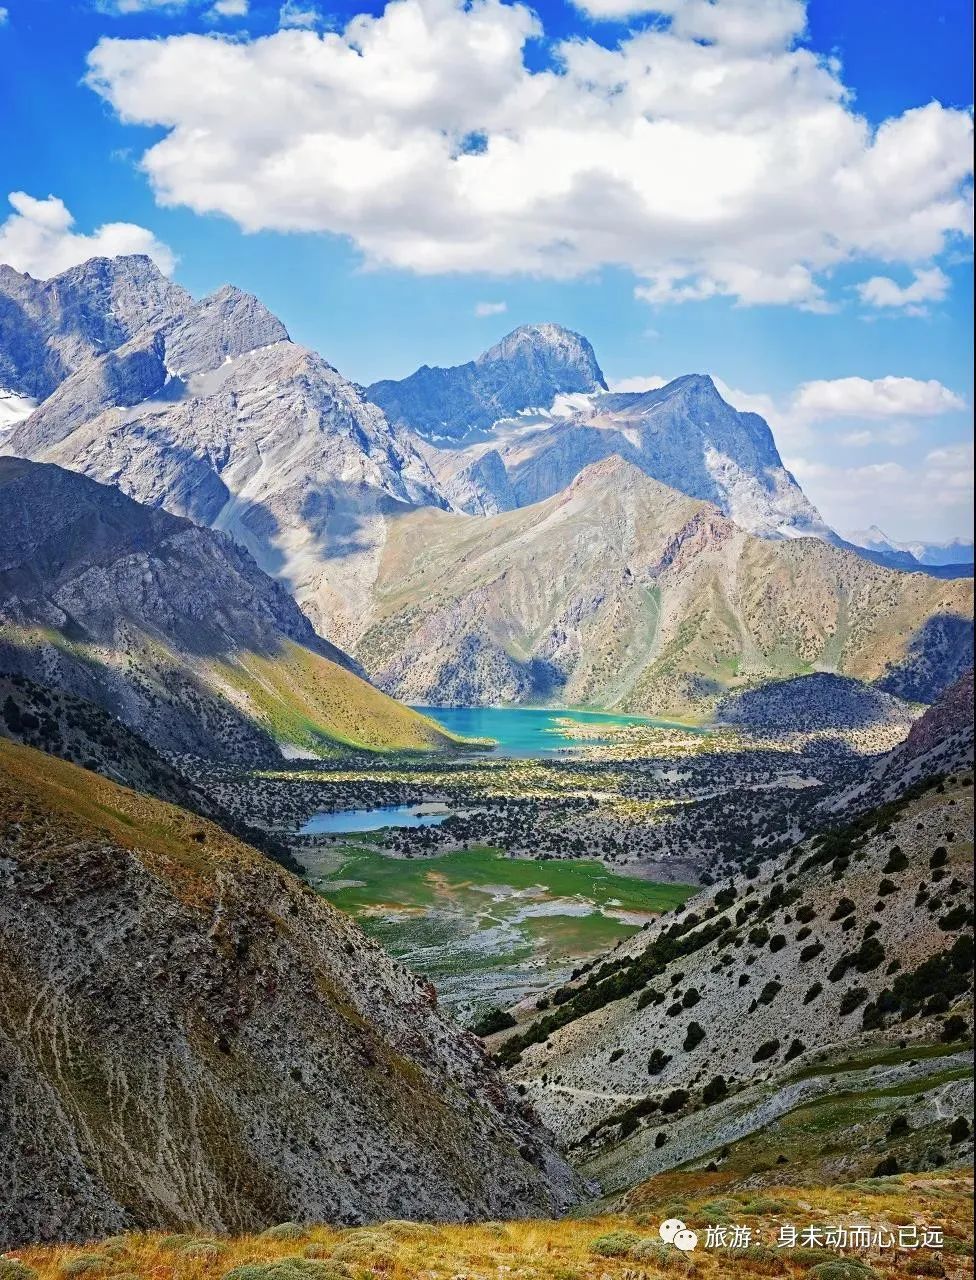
(214, 414)
(527, 369)
(173, 629)
(941, 742)
(82, 733)
(700, 1030)
(189, 1035)
(620, 592)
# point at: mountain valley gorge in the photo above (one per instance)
(452, 824)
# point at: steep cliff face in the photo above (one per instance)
(683, 435)
(214, 414)
(622, 592)
(190, 1036)
(49, 328)
(173, 628)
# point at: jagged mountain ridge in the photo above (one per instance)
(620, 592)
(495, 446)
(683, 435)
(191, 1037)
(173, 628)
(494, 453)
(528, 368)
(215, 414)
(49, 328)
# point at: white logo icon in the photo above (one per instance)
(673, 1231)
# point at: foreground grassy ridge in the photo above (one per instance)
(35, 787)
(622, 1246)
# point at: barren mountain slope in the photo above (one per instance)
(190, 1036)
(80, 732)
(622, 592)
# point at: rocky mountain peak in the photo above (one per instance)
(568, 355)
(527, 369)
(50, 328)
(226, 324)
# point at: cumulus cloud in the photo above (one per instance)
(898, 433)
(928, 285)
(490, 308)
(889, 397)
(709, 153)
(4, 16)
(751, 24)
(38, 238)
(230, 8)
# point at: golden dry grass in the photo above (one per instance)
(567, 1249)
(58, 802)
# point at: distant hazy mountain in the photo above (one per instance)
(953, 552)
(192, 1038)
(527, 369)
(173, 628)
(216, 415)
(621, 592)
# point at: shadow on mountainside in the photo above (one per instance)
(936, 656)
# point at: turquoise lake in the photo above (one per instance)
(347, 821)
(529, 731)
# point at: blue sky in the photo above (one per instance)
(744, 187)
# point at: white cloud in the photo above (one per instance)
(297, 15)
(928, 285)
(933, 499)
(707, 153)
(4, 16)
(752, 24)
(898, 433)
(874, 398)
(219, 9)
(38, 238)
(638, 384)
(490, 308)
